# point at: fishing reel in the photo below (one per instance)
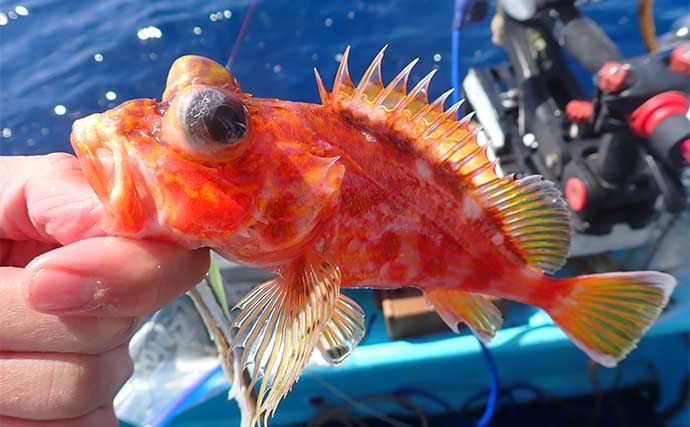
(619, 156)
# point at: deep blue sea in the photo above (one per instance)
(61, 60)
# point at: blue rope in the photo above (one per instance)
(459, 11)
(493, 388)
(455, 65)
(458, 19)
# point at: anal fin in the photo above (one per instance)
(343, 331)
(475, 310)
(278, 327)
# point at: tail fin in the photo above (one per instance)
(606, 314)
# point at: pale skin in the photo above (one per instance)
(70, 296)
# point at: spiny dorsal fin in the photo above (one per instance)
(434, 132)
(529, 212)
(278, 327)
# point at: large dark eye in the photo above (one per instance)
(210, 114)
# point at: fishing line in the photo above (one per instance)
(167, 414)
(362, 407)
(240, 34)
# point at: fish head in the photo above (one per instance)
(208, 166)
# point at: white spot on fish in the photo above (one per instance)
(497, 239)
(470, 208)
(384, 269)
(369, 137)
(423, 169)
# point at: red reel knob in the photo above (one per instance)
(576, 193)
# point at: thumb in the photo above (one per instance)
(47, 198)
(112, 276)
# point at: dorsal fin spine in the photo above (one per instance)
(467, 159)
(442, 118)
(465, 121)
(374, 70)
(481, 169)
(400, 79)
(418, 93)
(432, 108)
(451, 130)
(323, 92)
(437, 105)
(342, 77)
(454, 149)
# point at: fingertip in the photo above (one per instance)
(59, 205)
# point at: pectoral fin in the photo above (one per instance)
(343, 331)
(475, 310)
(278, 326)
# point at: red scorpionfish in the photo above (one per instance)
(376, 188)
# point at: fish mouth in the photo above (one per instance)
(104, 156)
(95, 154)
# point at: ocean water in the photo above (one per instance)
(61, 60)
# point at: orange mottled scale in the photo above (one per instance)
(377, 187)
(415, 235)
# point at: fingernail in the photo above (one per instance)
(57, 290)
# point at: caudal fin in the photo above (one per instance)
(606, 314)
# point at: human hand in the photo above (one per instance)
(70, 296)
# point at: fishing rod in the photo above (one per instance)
(240, 34)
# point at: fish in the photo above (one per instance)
(375, 187)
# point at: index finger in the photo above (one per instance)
(47, 199)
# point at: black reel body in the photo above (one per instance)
(615, 157)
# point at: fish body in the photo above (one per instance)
(376, 187)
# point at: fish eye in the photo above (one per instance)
(209, 115)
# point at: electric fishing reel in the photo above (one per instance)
(619, 157)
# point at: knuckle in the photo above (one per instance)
(75, 387)
(87, 383)
(61, 160)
